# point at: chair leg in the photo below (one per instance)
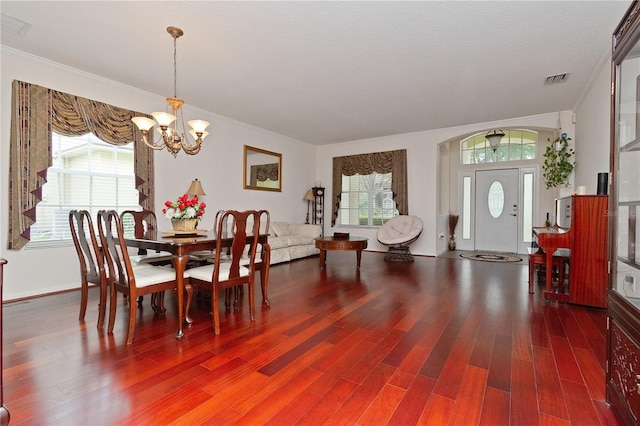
(84, 295)
(162, 308)
(561, 272)
(264, 273)
(227, 299)
(252, 296)
(215, 309)
(157, 302)
(532, 272)
(112, 310)
(237, 294)
(131, 329)
(102, 308)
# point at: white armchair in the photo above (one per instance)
(397, 234)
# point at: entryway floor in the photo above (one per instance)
(455, 254)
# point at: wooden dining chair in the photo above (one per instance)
(143, 224)
(91, 259)
(262, 261)
(263, 256)
(127, 279)
(230, 273)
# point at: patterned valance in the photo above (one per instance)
(36, 111)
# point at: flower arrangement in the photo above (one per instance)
(184, 208)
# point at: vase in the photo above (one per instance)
(184, 224)
(452, 243)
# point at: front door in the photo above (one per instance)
(497, 210)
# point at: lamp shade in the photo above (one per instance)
(143, 123)
(196, 188)
(494, 137)
(308, 196)
(163, 118)
(198, 125)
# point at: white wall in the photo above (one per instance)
(218, 166)
(593, 136)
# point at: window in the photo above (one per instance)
(515, 145)
(86, 173)
(367, 200)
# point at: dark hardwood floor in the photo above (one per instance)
(438, 341)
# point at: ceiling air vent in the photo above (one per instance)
(556, 79)
(13, 25)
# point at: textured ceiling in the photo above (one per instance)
(326, 72)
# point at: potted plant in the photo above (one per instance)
(558, 162)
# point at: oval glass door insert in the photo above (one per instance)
(495, 199)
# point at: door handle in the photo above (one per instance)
(514, 214)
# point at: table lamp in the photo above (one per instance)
(308, 197)
(196, 188)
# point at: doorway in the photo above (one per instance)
(496, 213)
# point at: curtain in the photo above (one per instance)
(365, 164)
(36, 112)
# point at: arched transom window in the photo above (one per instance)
(517, 144)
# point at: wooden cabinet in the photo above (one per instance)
(623, 344)
(318, 207)
(623, 360)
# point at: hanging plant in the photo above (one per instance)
(558, 162)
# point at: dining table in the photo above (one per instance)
(182, 246)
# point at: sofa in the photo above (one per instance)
(292, 241)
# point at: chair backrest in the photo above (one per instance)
(145, 224)
(242, 227)
(217, 220)
(115, 248)
(265, 221)
(85, 240)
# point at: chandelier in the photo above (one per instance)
(494, 137)
(172, 139)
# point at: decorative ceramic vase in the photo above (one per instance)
(452, 243)
(184, 224)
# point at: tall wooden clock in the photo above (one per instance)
(318, 207)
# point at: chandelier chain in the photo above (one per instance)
(175, 67)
